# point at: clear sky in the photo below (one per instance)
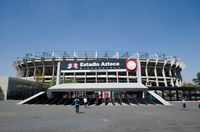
(157, 26)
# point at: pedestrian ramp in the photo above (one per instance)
(30, 98)
(151, 99)
(164, 102)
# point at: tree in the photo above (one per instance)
(197, 80)
(41, 85)
(53, 81)
(64, 80)
(188, 84)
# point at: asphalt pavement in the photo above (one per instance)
(59, 118)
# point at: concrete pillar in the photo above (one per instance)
(170, 73)
(155, 72)
(49, 94)
(143, 94)
(106, 77)
(43, 73)
(117, 77)
(163, 72)
(43, 69)
(176, 75)
(85, 78)
(96, 77)
(74, 78)
(34, 72)
(138, 72)
(53, 67)
(146, 71)
(127, 77)
(58, 74)
(27, 71)
(35, 69)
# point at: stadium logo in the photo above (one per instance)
(131, 65)
(72, 65)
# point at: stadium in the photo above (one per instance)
(109, 76)
(152, 69)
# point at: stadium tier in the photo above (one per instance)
(102, 67)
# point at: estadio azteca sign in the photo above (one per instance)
(129, 64)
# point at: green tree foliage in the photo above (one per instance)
(197, 80)
(64, 80)
(53, 82)
(69, 80)
(41, 85)
(188, 84)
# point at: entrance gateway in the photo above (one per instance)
(104, 80)
(100, 86)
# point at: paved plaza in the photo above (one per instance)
(59, 118)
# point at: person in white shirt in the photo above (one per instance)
(85, 102)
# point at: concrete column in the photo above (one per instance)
(143, 94)
(85, 78)
(106, 77)
(155, 72)
(53, 66)
(96, 77)
(49, 94)
(58, 74)
(127, 77)
(74, 78)
(63, 77)
(117, 77)
(170, 73)
(43, 69)
(27, 71)
(146, 71)
(43, 73)
(138, 72)
(35, 69)
(34, 72)
(163, 72)
(21, 72)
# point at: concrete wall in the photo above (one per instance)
(3, 87)
(17, 89)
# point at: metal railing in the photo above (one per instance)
(95, 54)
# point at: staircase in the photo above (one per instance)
(164, 102)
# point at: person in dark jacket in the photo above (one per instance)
(184, 103)
(77, 103)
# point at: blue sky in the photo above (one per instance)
(157, 26)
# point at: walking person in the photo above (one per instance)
(184, 103)
(198, 101)
(77, 103)
(85, 102)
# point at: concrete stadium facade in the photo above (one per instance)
(152, 69)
